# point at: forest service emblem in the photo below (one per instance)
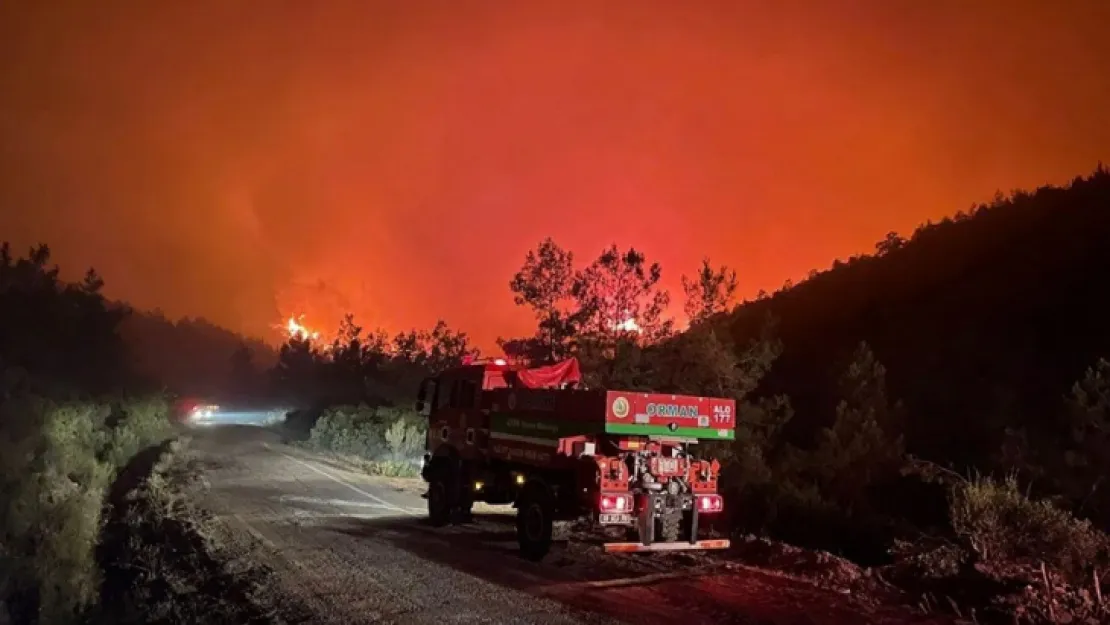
(620, 407)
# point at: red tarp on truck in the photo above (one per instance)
(551, 376)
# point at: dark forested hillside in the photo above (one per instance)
(194, 356)
(69, 337)
(984, 321)
(56, 333)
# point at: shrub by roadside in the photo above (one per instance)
(1007, 559)
(1010, 557)
(384, 441)
(57, 460)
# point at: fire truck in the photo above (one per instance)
(536, 439)
(193, 411)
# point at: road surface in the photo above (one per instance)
(352, 548)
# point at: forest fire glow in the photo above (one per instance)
(628, 325)
(295, 329)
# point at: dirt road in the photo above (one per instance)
(352, 548)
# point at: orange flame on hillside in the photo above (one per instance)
(628, 325)
(295, 329)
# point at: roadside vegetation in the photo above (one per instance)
(56, 475)
(383, 441)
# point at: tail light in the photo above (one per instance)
(615, 503)
(708, 504)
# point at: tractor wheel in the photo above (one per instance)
(462, 500)
(439, 508)
(535, 522)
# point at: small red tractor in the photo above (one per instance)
(559, 453)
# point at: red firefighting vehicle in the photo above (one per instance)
(193, 411)
(559, 453)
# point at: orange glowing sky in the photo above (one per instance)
(249, 160)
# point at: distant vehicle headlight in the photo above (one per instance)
(204, 412)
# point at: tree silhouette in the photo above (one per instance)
(890, 243)
(864, 445)
(705, 361)
(297, 372)
(587, 312)
(447, 348)
(544, 284)
(54, 331)
(709, 293)
(1086, 453)
(366, 367)
(611, 315)
(192, 356)
(618, 298)
(246, 378)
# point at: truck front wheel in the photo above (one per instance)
(534, 522)
(439, 508)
